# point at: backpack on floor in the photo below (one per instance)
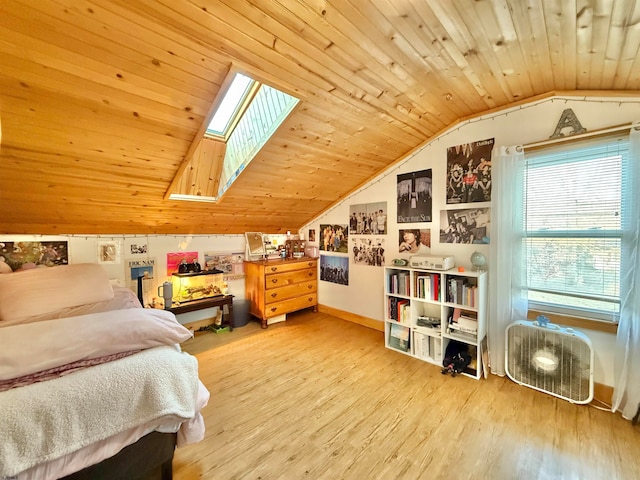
(456, 358)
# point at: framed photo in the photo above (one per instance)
(109, 251)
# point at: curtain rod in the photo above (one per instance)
(580, 136)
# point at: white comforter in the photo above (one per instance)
(47, 420)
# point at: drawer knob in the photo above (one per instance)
(274, 269)
(274, 295)
(310, 274)
(273, 309)
(309, 287)
(274, 280)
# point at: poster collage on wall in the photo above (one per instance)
(140, 270)
(468, 182)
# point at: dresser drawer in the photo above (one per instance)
(278, 280)
(291, 305)
(283, 293)
(290, 266)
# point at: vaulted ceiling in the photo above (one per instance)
(102, 103)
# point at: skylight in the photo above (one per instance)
(230, 105)
(248, 115)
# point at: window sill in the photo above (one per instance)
(576, 322)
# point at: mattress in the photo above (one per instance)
(68, 423)
(191, 431)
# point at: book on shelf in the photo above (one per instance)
(399, 337)
(393, 283)
(468, 323)
(465, 337)
(403, 283)
(427, 286)
(464, 329)
(421, 345)
(460, 292)
(435, 348)
(403, 314)
(428, 322)
(435, 288)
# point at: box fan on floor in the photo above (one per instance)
(551, 359)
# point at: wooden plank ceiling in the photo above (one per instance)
(100, 101)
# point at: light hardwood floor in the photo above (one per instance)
(321, 398)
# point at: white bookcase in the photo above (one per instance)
(427, 309)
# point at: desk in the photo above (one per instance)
(219, 301)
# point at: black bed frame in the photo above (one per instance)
(150, 458)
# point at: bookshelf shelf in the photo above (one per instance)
(425, 310)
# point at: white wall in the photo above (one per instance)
(523, 125)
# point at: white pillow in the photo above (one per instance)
(34, 293)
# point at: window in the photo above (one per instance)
(573, 222)
(231, 106)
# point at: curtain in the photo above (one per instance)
(507, 267)
(626, 393)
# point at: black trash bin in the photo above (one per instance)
(240, 312)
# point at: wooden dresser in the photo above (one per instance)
(277, 287)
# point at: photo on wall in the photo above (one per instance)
(138, 248)
(24, 255)
(334, 238)
(109, 251)
(368, 251)
(368, 219)
(469, 172)
(174, 259)
(334, 269)
(414, 197)
(416, 241)
(231, 264)
(466, 225)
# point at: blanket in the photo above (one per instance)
(46, 420)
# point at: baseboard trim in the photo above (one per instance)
(352, 317)
(602, 393)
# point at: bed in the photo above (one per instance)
(92, 385)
